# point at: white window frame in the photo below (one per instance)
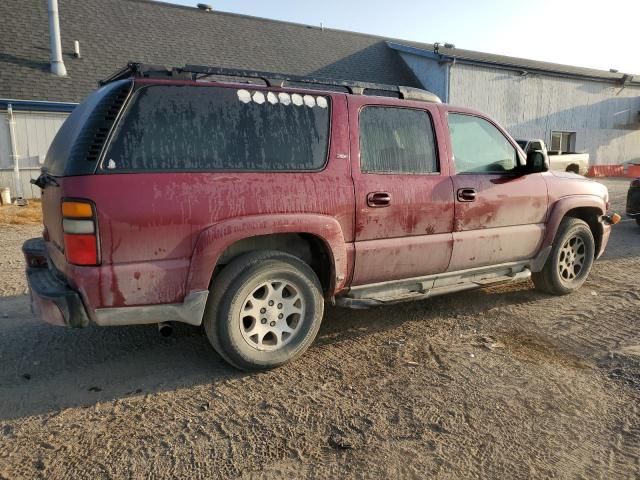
(563, 133)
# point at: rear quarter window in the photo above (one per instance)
(77, 145)
(215, 128)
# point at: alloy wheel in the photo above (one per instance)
(272, 315)
(571, 259)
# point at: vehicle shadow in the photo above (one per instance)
(47, 369)
(624, 241)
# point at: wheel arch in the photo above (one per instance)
(573, 167)
(588, 208)
(591, 216)
(316, 239)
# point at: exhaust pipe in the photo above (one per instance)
(165, 329)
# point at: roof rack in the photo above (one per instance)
(271, 79)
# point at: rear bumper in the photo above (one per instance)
(51, 297)
(57, 303)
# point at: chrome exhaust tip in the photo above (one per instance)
(165, 329)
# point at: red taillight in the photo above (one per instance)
(80, 232)
(81, 249)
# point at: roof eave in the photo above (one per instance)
(37, 105)
(621, 79)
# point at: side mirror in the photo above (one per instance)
(537, 162)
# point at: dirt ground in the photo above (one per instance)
(496, 383)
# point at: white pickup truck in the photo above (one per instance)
(560, 161)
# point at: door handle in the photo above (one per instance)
(378, 199)
(467, 195)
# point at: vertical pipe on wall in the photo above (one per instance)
(14, 152)
(447, 80)
(57, 65)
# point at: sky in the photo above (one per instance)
(588, 33)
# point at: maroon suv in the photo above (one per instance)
(171, 195)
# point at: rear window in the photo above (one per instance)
(213, 128)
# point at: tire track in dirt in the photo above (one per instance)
(498, 383)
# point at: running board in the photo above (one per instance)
(367, 296)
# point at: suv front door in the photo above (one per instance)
(404, 194)
(499, 212)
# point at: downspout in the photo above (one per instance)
(447, 84)
(57, 65)
(14, 153)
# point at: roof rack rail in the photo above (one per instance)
(271, 79)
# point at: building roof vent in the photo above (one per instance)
(57, 64)
(205, 6)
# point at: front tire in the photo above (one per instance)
(573, 168)
(264, 310)
(570, 261)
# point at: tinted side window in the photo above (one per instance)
(479, 147)
(396, 140)
(202, 128)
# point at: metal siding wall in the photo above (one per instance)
(603, 115)
(431, 74)
(34, 133)
(5, 151)
(26, 174)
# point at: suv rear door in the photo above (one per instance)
(499, 212)
(404, 195)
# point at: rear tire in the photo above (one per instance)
(570, 260)
(264, 310)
